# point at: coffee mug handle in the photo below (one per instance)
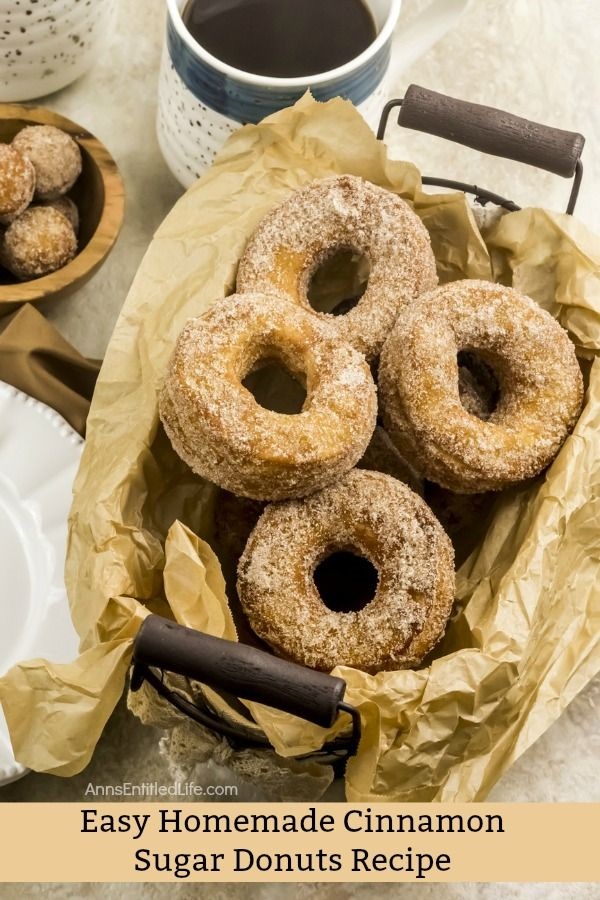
(413, 40)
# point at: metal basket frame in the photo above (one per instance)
(162, 646)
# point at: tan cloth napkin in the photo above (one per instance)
(37, 360)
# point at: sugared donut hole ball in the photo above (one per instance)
(55, 157)
(68, 208)
(17, 183)
(40, 241)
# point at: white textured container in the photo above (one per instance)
(190, 133)
(47, 44)
(202, 99)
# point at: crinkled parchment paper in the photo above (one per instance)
(525, 636)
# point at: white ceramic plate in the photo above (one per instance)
(39, 457)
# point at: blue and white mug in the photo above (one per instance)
(202, 99)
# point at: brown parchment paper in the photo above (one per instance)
(525, 635)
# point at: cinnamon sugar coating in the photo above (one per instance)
(17, 183)
(218, 428)
(541, 387)
(68, 208)
(55, 156)
(40, 241)
(329, 215)
(382, 520)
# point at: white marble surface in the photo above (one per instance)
(533, 57)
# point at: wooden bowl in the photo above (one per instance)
(98, 194)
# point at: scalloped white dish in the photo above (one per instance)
(39, 458)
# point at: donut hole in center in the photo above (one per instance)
(276, 387)
(346, 580)
(339, 282)
(478, 384)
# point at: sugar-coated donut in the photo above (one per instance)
(68, 208)
(41, 240)
(343, 212)
(379, 518)
(17, 183)
(55, 156)
(218, 428)
(540, 386)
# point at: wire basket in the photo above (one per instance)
(247, 673)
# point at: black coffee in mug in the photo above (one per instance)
(281, 38)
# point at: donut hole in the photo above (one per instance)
(346, 580)
(276, 387)
(478, 384)
(339, 282)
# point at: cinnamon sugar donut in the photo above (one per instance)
(68, 208)
(41, 240)
(55, 156)
(218, 428)
(380, 519)
(334, 214)
(17, 183)
(540, 387)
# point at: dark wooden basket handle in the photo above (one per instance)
(491, 131)
(238, 669)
